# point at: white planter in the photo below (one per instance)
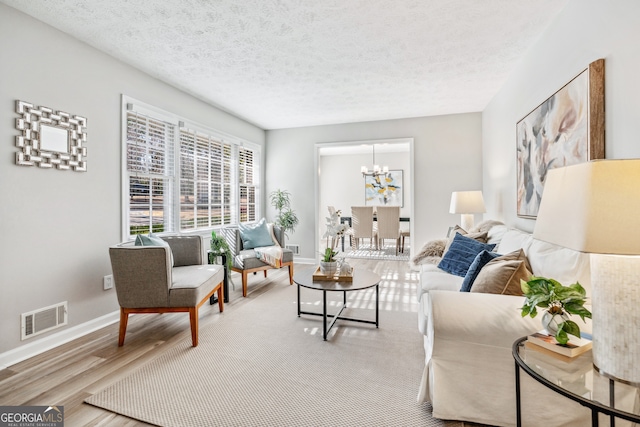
(551, 321)
(329, 268)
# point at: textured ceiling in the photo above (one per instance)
(291, 63)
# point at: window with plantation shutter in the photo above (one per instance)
(179, 176)
(205, 181)
(247, 184)
(150, 174)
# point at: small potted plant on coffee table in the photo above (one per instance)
(328, 264)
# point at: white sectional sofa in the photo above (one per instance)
(469, 371)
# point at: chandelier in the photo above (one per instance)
(377, 171)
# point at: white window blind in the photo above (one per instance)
(179, 176)
(206, 181)
(247, 183)
(150, 173)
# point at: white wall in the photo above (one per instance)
(583, 32)
(342, 185)
(56, 226)
(446, 157)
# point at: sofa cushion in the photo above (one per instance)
(496, 233)
(562, 264)
(191, 284)
(474, 269)
(255, 235)
(461, 253)
(503, 274)
(431, 278)
(513, 240)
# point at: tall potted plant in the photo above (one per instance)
(286, 218)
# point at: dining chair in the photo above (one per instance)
(388, 225)
(362, 225)
(404, 234)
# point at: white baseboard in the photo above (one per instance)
(34, 348)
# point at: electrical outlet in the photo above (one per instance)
(107, 282)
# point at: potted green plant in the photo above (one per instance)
(328, 264)
(286, 218)
(559, 302)
(219, 246)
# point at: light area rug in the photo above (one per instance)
(388, 253)
(262, 365)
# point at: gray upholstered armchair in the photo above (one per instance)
(164, 279)
(245, 260)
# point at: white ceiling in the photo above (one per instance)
(292, 63)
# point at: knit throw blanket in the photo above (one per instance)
(271, 255)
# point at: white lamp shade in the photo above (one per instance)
(467, 202)
(592, 207)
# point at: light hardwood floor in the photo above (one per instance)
(70, 373)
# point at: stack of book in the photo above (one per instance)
(575, 347)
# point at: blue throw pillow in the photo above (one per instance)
(153, 240)
(255, 235)
(481, 259)
(461, 254)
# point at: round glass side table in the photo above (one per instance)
(578, 380)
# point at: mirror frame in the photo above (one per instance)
(47, 154)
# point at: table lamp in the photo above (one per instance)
(467, 203)
(594, 207)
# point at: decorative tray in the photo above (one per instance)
(337, 277)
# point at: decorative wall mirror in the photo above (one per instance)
(50, 138)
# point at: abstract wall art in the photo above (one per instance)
(384, 190)
(566, 129)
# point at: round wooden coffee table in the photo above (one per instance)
(362, 279)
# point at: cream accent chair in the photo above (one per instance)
(361, 225)
(388, 225)
(164, 279)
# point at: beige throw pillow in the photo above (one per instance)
(503, 274)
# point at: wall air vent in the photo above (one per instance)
(294, 248)
(44, 319)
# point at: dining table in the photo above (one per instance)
(347, 219)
